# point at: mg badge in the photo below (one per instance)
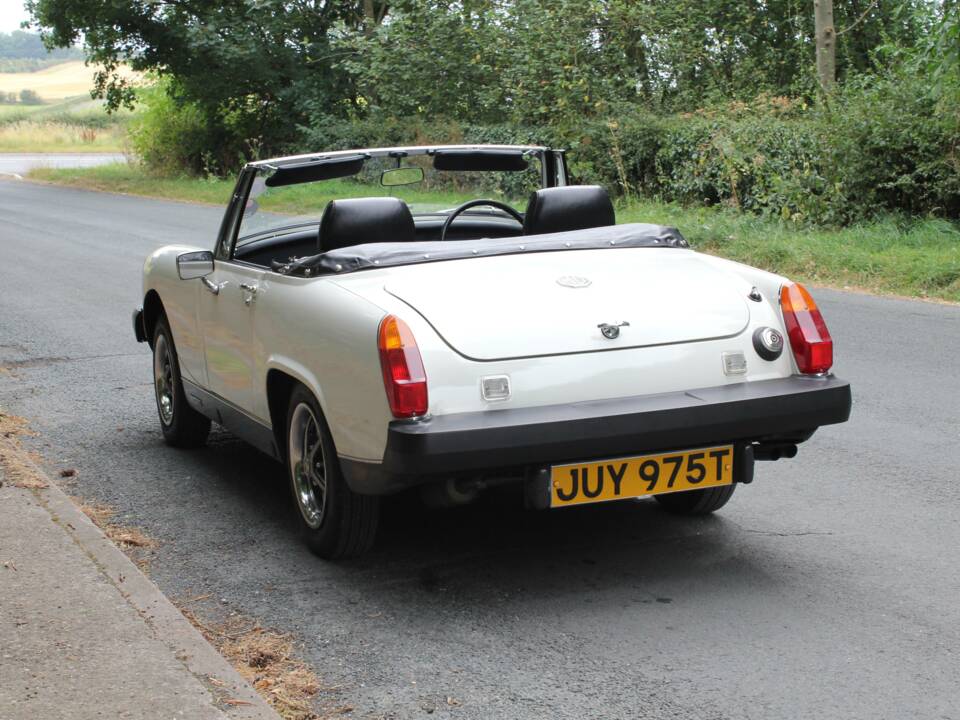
(611, 331)
(573, 281)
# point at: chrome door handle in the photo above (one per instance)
(211, 286)
(251, 289)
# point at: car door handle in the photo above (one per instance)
(251, 291)
(212, 286)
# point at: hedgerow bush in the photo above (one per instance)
(879, 144)
(760, 164)
(893, 144)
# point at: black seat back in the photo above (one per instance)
(560, 209)
(364, 220)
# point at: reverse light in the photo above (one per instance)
(809, 338)
(403, 375)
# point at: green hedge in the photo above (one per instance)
(880, 145)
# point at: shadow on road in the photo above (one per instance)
(484, 552)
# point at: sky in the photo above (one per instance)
(11, 15)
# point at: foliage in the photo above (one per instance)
(170, 136)
(884, 144)
(250, 69)
(30, 97)
(691, 101)
(940, 52)
(892, 144)
(25, 46)
(532, 61)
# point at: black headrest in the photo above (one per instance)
(561, 209)
(365, 220)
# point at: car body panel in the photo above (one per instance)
(226, 323)
(322, 331)
(524, 306)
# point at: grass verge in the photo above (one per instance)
(914, 257)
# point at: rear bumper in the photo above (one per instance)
(786, 410)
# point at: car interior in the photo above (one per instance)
(355, 221)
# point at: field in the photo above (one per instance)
(76, 124)
(27, 136)
(58, 82)
(913, 257)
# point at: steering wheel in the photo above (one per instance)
(474, 203)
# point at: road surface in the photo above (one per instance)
(22, 163)
(829, 588)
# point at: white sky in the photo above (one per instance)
(11, 15)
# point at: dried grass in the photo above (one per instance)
(53, 136)
(18, 469)
(123, 535)
(267, 660)
(12, 425)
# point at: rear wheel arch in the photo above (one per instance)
(282, 378)
(280, 386)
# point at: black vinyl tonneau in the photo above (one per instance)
(378, 255)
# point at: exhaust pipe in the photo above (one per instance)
(454, 492)
(774, 452)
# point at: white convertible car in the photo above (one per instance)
(388, 341)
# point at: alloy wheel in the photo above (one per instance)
(307, 465)
(163, 379)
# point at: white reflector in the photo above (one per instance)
(495, 387)
(734, 363)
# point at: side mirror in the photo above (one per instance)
(193, 265)
(401, 176)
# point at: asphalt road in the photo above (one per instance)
(830, 588)
(22, 163)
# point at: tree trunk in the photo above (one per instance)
(826, 43)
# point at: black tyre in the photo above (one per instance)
(696, 502)
(335, 521)
(182, 426)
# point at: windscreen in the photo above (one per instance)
(272, 209)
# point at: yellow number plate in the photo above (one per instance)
(591, 482)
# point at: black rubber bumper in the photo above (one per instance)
(139, 331)
(786, 410)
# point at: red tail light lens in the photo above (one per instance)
(809, 337)
(403, 374)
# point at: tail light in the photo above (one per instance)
(403, 374)
(809, 337)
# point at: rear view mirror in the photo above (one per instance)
(401, 176)
(193, 265)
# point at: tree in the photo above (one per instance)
(824, 33)
(30, 97)
(252, 68)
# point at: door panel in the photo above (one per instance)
(180, 306)
(226, 321)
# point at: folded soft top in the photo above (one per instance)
(378, 255)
